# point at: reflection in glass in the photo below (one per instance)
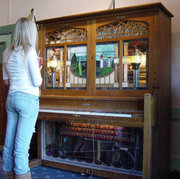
(135, 64)
(54, 67)
(117, 148)
(76, 67)
(107, 66)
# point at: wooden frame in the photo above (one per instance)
(147, 123)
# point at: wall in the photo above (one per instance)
(11, 10)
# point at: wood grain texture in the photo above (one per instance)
(152, 115)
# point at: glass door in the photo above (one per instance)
(99, 146)
(135, 64)
(122, 51)
(107, 65)
(66, 59)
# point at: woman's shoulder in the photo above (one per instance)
(31, 54)
(31, 50)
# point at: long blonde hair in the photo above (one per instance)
(25, 35)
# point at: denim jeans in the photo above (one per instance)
(22, 111)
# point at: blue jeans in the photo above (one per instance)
(22, 111)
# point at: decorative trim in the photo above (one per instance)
(122, 29)
(86, 113)
(66, 35)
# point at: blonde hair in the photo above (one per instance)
(25, 35)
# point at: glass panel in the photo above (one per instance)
(106, 147)
(76, 67)
(122, 29)
(54, 67)
(107, 65)
(66, 35)
(135, 64)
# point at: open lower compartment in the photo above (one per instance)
(93, 146)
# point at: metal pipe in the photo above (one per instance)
(113, 4)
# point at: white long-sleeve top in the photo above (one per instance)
(23, 75)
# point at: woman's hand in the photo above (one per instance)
(40, 62)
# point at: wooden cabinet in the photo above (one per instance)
(107, 90)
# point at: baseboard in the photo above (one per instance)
(35, 162)
(1, 148)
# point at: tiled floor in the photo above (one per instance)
(42, 172)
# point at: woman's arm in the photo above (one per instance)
(33, 67)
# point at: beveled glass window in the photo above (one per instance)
(133, 69)
(66, 35)
(135, 64)
(121, 57)
(107, 65)
(122, 29)
(76, 67)
(54, 73)
(66, 63)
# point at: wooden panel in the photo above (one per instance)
(35, 163)
(41, 44)
(122, 122)
(133, 106)
(3, 92)
(129, 105)
(93, 57)
(101, 173)
(89, 57)
(164, 102)
(149, 116)
(39, 137)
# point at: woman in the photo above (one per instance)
(22, 73)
